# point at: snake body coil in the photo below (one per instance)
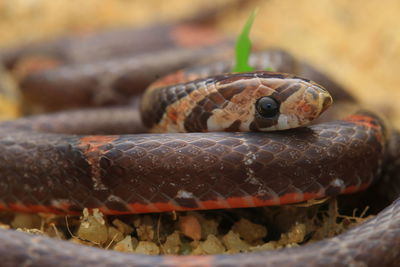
(45, 168)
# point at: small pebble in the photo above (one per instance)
(190, 227)
(148, 248)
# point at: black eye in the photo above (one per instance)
(267, 107)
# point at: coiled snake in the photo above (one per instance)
(46, 167)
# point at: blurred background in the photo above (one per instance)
(355, 42)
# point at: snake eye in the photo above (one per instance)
(267, 107)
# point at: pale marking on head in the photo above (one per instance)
(283, 122)
(300, 108)
(241, 106)
(174, 117)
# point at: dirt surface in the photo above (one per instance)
(193, 233)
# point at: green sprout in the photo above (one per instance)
(243, 47)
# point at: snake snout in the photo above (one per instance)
(318, 100)
(326, 100)
(305, 104)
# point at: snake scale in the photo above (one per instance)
(51, 163)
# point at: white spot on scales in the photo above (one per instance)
(184, 194)
(337, 183)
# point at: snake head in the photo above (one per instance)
(268, 101)
(256, 101)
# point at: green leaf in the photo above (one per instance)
(243, 47)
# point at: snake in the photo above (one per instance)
(234, 140)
